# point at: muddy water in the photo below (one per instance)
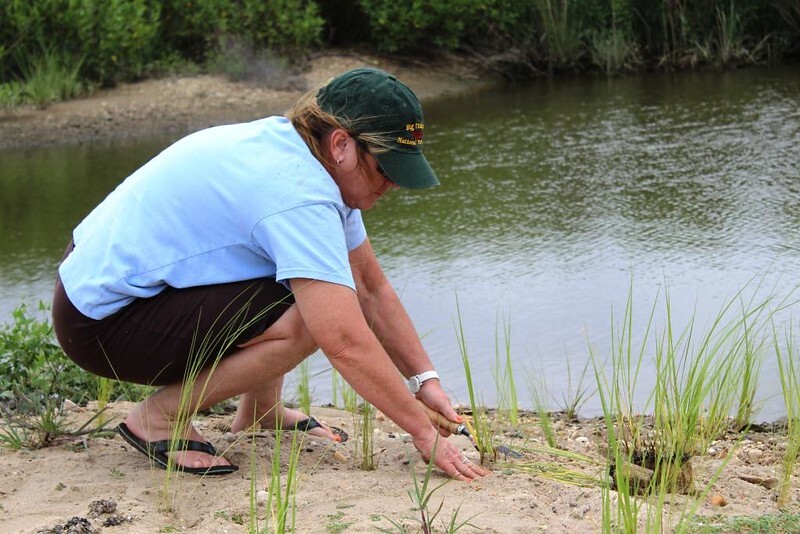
(559, 201)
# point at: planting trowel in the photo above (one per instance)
(461, 428)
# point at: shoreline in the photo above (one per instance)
(179, 105)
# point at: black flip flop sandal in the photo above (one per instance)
(307, 424)
(157, 452)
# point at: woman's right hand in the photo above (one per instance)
(448, 457)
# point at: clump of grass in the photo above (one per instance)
(50, 76)
(539, 394)
(349, 398)
(11, 94)
(507, 405)
(556, 470)
(304, 388)
(748, 369)
(281, 506)
(421, 495)
(561, 32)
(614, 51)
(482, 429)
(789, 372)
(335, 378)
(783, 523)
(576, 394)
(696, 382)
(365, 439)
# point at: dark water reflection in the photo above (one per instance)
(555, 198)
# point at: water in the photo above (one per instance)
(556, 199)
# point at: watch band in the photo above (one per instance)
(427, 375)
(415, 382)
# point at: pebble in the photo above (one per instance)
(261, 496)
(717, 500)
(755, 454)
(339, 457)
(580, 513)
(582, 439)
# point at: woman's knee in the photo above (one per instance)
(290, 327)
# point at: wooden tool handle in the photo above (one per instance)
(438, 419)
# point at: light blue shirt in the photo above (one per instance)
(226, 204)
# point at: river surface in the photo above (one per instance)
(560, 200)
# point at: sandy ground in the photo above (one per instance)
(44, 490)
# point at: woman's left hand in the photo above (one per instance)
(435, 398)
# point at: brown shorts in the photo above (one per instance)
(155, 340)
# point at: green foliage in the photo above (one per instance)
(507, 404)
(420, 496)
(34, 369)
(282, 25)
(116, 38)
(120, 40)
(418, 25)
(766, 524)
(303, 388)
(614, 52)
(31, 364)
(10, 94)
(190, 26)
(123, 40)
(49, 77)
(367, 436)
(562, 32)
(121, 35)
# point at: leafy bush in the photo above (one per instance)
(10, 94)
(33, 367)
(417, 25)
(287, 26)
(118, 38)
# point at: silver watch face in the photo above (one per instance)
(413, 384)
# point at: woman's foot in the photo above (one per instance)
(290, 419)
(153, 427)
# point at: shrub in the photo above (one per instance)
(289, 27)
(117, 37)
(34, 368)
(417, 25)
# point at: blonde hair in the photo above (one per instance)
(312, 123)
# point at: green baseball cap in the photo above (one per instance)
(376, 102)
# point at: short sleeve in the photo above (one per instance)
(355, 232)
(310, 241)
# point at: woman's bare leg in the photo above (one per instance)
(255, 368)
(263, 408)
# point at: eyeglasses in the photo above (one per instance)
(366, 149)
(380, 170)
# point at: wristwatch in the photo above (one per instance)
(416, 381)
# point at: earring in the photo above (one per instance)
(339, 161)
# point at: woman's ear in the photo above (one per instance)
(343, 149)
